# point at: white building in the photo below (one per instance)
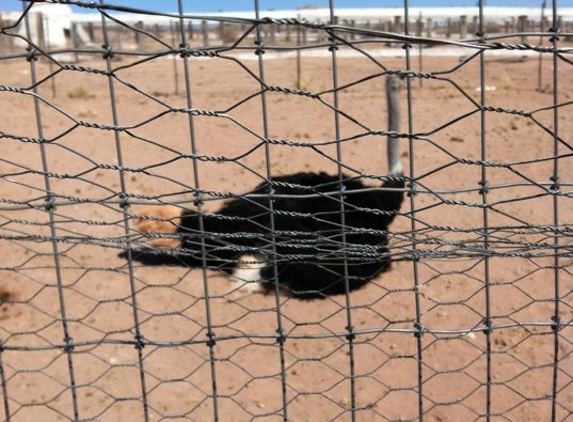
(48, 25)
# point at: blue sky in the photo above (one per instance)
(206, 6)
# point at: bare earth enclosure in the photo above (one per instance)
(473, 322)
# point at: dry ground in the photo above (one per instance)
(97, 290)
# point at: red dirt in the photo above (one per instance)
(450, 296)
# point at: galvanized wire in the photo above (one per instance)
(53, 245)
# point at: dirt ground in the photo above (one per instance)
(65, 284)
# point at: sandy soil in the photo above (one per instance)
(91, 298)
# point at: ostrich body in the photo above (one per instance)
(292, 231)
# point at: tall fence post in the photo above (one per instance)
(74, 39)
(137, 35)
(463, 26)
(429, 27)
(475, 25)
(190, 31)
(523, 26)
(298, 55)
(397, 27)
(449, 28)
(205, 33)
(419, 31)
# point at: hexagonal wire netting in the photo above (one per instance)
(116, 118)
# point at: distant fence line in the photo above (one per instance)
(206, 32)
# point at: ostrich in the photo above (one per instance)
(300, 239)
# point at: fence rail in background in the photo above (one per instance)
(473, 321)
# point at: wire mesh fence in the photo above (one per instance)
(118, 120)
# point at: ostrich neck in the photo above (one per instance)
(393, 85)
